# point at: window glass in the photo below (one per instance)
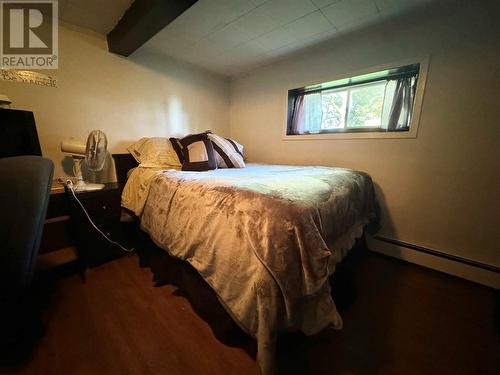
(365, 105)
(334, 108)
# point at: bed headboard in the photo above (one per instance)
(123, 163)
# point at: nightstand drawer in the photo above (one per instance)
(103, 206)
(111, 228)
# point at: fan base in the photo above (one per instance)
(85, 186)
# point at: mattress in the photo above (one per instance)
(265, 238)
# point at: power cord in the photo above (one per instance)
(69, 183)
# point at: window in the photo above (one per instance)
(381, 101)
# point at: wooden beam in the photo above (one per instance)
(142, 21)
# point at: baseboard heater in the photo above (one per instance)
(469, 262)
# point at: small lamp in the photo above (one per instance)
(4, 101)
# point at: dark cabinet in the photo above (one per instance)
(18, 135)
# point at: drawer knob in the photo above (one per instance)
(104, 207)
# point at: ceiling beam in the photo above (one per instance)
(142, 21)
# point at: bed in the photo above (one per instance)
(265, 238)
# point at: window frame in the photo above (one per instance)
(365, 132)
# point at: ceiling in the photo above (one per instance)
(91, 14)
(232, 37)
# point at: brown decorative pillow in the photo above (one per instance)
(198, 153)
(176, 145)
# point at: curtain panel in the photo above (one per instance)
(402, 104)
(306, 114)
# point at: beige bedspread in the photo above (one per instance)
(265, 238)
(136, 190)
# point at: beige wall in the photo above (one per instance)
(127, 98)
(440, 190)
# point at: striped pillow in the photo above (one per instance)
(228, 153)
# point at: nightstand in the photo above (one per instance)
(104, 208)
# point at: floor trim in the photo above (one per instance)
(441, 254)
(465, 268)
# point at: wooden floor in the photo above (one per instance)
(404, 320)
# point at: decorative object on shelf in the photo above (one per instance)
(5, 101)
(94, 152)
(26, 76)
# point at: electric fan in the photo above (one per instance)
(93, 152)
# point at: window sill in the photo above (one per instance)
(351, 135)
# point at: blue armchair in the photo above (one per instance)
(25, 183)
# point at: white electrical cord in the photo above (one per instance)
(70, 185)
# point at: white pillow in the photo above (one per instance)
(155, 152)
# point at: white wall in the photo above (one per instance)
(127, 98)
(440, 190)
